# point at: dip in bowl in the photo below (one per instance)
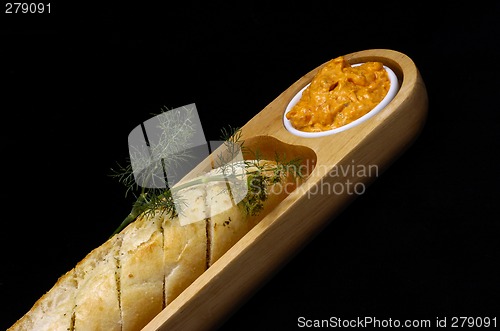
(340, 97)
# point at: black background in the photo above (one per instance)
(422, 242)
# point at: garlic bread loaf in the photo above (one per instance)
(128, 280)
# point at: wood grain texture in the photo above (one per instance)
(262, 251)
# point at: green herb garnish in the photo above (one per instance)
(259, 175)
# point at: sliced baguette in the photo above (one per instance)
(128, 280)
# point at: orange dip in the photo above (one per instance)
(338, 95)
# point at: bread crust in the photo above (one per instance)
(54, 310)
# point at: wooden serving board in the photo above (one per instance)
(349, 159)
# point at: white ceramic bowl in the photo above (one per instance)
(393, 89)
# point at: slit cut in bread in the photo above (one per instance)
(127, 281)
(185, 250)
(141, 272)
(97, 305)
(54, 310)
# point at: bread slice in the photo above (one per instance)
(54, 310)
(185, 254)
(141, 272)
(227, 222)
(97, 305)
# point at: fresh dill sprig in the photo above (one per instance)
(256, 175)
(145, 173)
